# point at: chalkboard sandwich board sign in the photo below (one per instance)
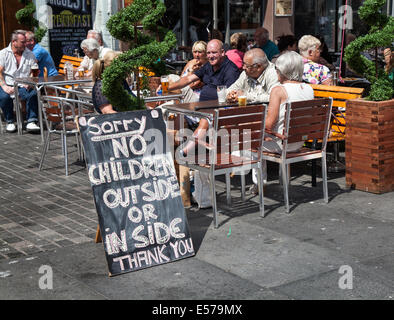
(136, 192)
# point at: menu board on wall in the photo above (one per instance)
(71, 20)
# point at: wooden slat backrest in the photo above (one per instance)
(240, 128)
(308, 120)
(75, 61)
(339, 95)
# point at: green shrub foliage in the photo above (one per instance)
(145, 49)
(25, 17)
(381, 34)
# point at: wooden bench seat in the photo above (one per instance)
(339, 95)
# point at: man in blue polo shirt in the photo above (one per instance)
(218, 72)
(261, 37)
(43, 57)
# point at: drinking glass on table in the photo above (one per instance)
(35, 71)
(241, 98)
(222, 91)
(81, 72)
(164, 84)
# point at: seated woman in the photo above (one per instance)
(199, 51)
(100, 102)
(289, 67)
(314, 72)
(92, 50)
(239, 44)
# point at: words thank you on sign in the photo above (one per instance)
(136, 192)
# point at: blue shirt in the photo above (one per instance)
(270, 49)
(227, 74)
(44, 60)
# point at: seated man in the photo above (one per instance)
(257, 80)
(261, 37)
(43, 57)
(219, 71)
(16, 61)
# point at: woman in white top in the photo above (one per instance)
(289, 67)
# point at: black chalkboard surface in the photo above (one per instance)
(141, 215)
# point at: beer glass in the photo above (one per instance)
(35, 71)
(164, 84)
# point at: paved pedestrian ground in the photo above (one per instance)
(340, 250)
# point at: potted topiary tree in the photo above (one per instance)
(370, 121)
(147, 47)
(25, 17)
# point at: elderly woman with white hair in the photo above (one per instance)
(93, 51)
(314, 72)
(289, 67)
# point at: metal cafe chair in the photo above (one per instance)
(59, 115)
(235, 129)
(304, 120)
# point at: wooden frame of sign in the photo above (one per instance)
(142, 220)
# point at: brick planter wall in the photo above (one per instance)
(370, 145)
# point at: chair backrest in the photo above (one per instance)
(307, 120)
(75, 61)
(239, 128)
(339, 95)
(61, 111)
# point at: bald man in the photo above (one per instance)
(219, 71)
(257, 79)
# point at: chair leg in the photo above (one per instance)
(324, 175)
(78, 147)
(44, 150)
(261, 190)
(65, 153)
(213, 199)
(228, 188)
(285, 186)
(243, 185)
(62, 137)
(313, 173)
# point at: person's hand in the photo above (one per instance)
(8, 89)
(232, 96)
(158, 89)
(196, 66)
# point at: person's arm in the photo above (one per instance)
(278, 96)
(7, 89)
(326, 77)
(271, 81)
(232, 91)
(181, 83)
